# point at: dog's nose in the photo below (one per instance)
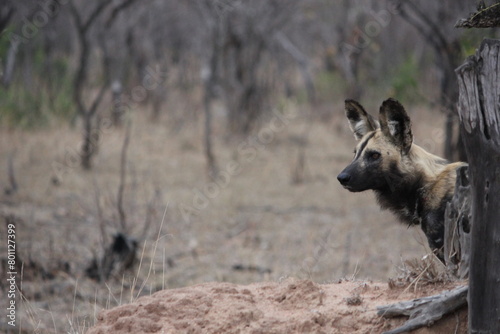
(343, 178)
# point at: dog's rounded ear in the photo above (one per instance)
(395, 124)
(360, 121)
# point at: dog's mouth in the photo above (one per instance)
(352, 189)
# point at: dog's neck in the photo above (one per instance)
(404, 193)
(404, 198)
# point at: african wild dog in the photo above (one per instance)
(411, 182)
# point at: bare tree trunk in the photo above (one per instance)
(207, 138)
(90, 136)
(479, 112)
(10, 62)
(88, 142)
(302, 61)
(209, 85)
(351, 49)
(210, 77)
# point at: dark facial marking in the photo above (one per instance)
(363, 145)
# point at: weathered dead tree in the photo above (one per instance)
(479, 111)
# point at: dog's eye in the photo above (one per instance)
(374, 155)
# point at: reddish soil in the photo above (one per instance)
(291, 306)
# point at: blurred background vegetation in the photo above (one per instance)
(247, 54)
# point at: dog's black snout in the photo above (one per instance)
(343, 178)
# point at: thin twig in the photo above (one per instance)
(158, 238)
(123, 174)
(116, 11)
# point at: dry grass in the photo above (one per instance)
(261, 226)
(414, 273)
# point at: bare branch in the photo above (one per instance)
(95, 14)
(123, 174)
(116, 11)
(76, 16)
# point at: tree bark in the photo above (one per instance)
(479, 111)
(457, 223)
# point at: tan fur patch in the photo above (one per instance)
(441, 185)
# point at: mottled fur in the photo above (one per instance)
(409, 181)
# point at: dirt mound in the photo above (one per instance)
(292, 306)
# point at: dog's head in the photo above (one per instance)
(382, 146)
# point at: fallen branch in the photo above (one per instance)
(425, 311)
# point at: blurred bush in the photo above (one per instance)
(404, 81)
(45, 99)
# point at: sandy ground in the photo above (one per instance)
(291, 306)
